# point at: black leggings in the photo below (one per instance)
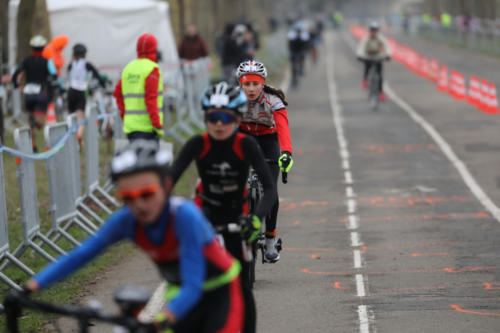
(271, 149)
(378, 68)
(233, 245)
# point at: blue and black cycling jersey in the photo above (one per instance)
(181, 242)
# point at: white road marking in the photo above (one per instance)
(349, 192)
(355, 239)
(351, 206)
(469, 180)
(345, 165)
(357, 259)
(344, 154)
(351, 203)
(363, 319)
(360, 285)
(348, 177)
(353, 222)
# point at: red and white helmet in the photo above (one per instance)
(251, 67)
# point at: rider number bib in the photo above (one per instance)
(32, 89)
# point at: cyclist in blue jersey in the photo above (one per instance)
(204, 290)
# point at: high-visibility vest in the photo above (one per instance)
(136, 118)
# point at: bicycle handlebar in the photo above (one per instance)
(284, 177)
(15, 301)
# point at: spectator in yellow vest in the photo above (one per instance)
(139, 93)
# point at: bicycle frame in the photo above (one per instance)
(373, 87)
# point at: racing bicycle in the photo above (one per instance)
(255, 193)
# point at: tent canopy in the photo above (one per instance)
(110, 30)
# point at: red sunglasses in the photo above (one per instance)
(145, 192)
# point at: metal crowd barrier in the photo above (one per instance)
(68, 203)
(185, 100)
(481, 34)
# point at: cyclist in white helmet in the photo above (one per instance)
(267, 121)
(372, 51)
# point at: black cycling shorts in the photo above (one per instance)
(76, 100)
(36, 102)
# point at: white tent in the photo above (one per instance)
(110, 30)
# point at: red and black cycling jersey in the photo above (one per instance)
(223, 166)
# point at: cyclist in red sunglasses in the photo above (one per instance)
(223, 158)
(204, 289)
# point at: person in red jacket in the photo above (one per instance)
(192, 45)
(146, 48)
(267, 121)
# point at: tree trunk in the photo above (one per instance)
(182, 16)
(32, 19)
(4, 51)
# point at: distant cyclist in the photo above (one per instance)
(204, 288)
(267, 121)
(223, 157)
(80, 71)
(298, 46)
(372, 51)
(39, 74)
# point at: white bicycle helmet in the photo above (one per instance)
(223, 95)
(251, 67)
(374, 25)
(138, 156)
(38, 41)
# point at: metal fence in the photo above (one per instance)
(479, 34)
(69, 200)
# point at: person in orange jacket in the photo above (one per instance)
(53, 51)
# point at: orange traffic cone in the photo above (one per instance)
(424, 67)
(484, 97)
(51, 114)
(474, 91)
(433, 70)
(457, 85)
(493, 99)
(442, 84)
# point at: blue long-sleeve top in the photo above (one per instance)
(192, 232)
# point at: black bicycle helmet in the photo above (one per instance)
(223, 95)
(138, 156)
(79, 50)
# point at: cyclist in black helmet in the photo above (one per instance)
(39, 74)
(79, 70)
(223, 157)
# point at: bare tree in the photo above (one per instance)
(32, 19)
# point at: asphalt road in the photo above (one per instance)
(381, 231)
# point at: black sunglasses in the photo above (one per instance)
(224, 117)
